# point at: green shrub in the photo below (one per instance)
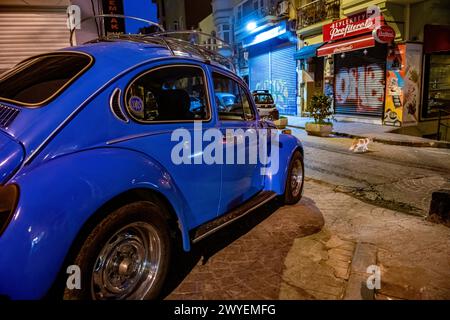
(320, 109)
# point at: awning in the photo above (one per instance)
(307, 51)
(357, 43)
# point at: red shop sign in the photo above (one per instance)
(384, 34)
(348, 27)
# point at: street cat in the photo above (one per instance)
(360, 145)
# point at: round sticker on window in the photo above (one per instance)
(136, 104)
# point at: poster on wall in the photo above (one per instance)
(395, 81)
(413, 80)
(403, 78)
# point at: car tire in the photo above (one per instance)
(126, 256)
(295, 180)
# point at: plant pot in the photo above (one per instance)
(281, 123)
(320, 130)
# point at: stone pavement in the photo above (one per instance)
(290, 253)
(378, 133)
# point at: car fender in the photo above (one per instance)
(276, 180)
(56, 198)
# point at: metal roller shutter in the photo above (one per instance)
(284, 77)
(260, 72)
(27, 33)
(360, 81)
(276, 71)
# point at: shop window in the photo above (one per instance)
(437, 84)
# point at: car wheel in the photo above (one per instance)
(126, 256)
(295, 180)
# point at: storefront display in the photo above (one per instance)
(436, 93)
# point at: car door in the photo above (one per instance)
(171, 109)
(241, 176)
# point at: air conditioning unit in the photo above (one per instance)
(283, 8)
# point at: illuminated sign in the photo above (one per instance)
(384, 34)
(114, 25)
(266, 35)
(348, 27)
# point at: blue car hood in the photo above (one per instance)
(11, 156)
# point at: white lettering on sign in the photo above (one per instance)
(362, 86)
(348, 29)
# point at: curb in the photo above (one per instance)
(431, 144)
(365, 255)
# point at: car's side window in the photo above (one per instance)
(228, 97)
(248, 111)
(175, 93)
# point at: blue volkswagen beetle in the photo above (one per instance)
(103, 167)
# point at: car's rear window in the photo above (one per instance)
(263, 98)
(39, 79)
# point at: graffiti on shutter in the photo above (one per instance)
(360, 84)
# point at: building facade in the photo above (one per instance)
(29, 28)
(32, 27)
(265, 42)
(401, 81)
(182, 14)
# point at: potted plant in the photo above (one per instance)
(320, 110)
(281, 123)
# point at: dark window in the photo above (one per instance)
(263, 98)
(176, 93)
(437, 84)
(231, 100)
(38, 80)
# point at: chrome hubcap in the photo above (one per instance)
(128, 264)
(296, 178)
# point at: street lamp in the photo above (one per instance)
(251, 26)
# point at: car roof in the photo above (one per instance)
(121, 54)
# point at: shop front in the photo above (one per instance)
(310, 72)
(272, 66)
(357, 47)
(31, 27)
(437, 72)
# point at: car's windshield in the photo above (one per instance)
(40, 79)
(263, 98)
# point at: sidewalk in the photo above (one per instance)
(378, 133)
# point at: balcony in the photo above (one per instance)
(317, 11)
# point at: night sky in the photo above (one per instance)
(144, 9)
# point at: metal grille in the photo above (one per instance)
(24, 34)
(360, 81)
(7, 115)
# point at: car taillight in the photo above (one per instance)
(8, 200)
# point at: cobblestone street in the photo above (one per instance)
(310, 251)
(395, 177)
(357, 210)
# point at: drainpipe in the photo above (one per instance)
(407, 20)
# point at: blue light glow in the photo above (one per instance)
(251, 26)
